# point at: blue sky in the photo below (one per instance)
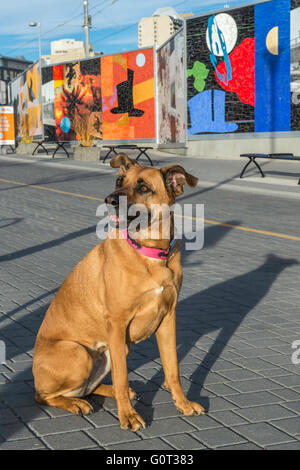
(114, 22)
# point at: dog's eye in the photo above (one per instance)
(143, 189)
(119, 181)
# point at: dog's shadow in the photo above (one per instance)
(223, 307)
(194, 321)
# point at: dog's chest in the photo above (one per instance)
(149, 312)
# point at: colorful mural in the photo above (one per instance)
(220, 72)
(26, 100)
(244, 69)
(171, 95)
(78, 105)
(128, 95)
(295, 64)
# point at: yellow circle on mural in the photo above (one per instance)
(272, 41)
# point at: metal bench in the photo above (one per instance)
(58, 144)
(141, 149)
(269, 156)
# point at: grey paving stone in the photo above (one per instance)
(290, 425)
(222, 436)
(228, 418)
(183, 442)
(253, 385)
(287, 394)
(295, 445)
(245, 400)
(219, 404)
(221, 389)
(23, 444)
(262, 434)
(45, 427)
(69, 441)
(101, 419)
(15, 431)
(159, 397)
(274, 372)
(265, 413)
(7, 416)
(288, 380)
(245, 446)
(19, 400)
(165, 427)
(30, 413)
(293, 405)
(112, 435)
(146, 444)
(202, 421)
(239, 374)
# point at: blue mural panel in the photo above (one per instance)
(207, 113)
(272, 66)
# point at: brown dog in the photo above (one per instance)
(114, 297)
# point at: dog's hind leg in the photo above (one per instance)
(61, 371)
(108, 391)
(76, 406)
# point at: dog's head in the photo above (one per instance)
(147, 186)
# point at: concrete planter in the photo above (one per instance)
(87, 154)
(26, 147)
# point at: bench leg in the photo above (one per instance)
(261, 172)
(108, 153)
(40, 145)
(252, 159)
(60, 145)
(143, 152)
(246, 166)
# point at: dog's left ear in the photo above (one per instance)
(123, 162)
(175, 177)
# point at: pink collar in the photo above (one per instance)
(156, 253)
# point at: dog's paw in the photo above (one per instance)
(190, 408)
(132, 394)
(132, 421)
(79, 407)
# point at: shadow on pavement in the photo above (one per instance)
(44, 246)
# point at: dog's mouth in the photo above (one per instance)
(121, 221)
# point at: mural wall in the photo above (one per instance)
(128, 95)
(77, 100)
(171, 93)
(243, 69)
(26, 100)
(109, 98)
(295, 64)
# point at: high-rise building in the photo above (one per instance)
(156, 29)
(65, 50)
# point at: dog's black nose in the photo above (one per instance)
(112, 199)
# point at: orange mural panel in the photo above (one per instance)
(128, 95)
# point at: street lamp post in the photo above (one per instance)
(38, 24)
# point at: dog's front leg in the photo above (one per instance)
(166, 340)
(128, 417)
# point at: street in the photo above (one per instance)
(237, 316)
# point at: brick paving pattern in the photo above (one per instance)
(238, 315)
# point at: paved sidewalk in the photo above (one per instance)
(238, 313)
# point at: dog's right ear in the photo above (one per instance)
(123, 162)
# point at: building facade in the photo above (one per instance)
(64, 50)
(157, 29)
(10, 67)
